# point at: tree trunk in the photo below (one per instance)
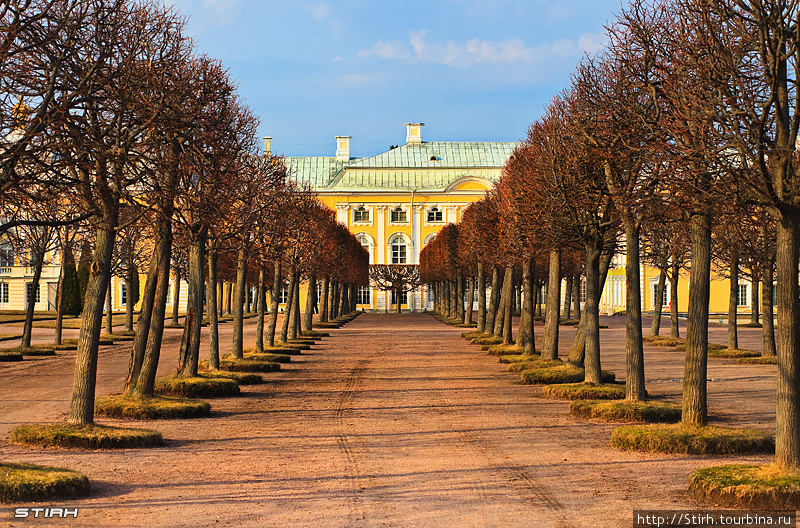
(213, 309)
(460, 297)
(733, 302)
(755, 299)
(550, 338)
(494, 301)
(238, 305)
(130, 284)
(323, 309)
(152, 351)
(221, 298)
(674, 327)
(143, 324)
(634, 380)
(27, 332)
(499, 323)
(481, 298)
(577, 352)
(526, 330)
(294, 317)
(592, 314)
(261, 302)
(470, 300)
(189, 355)
(276, 299)
(508, 311)
(81, 409)
(229, 299)
(658, 303)
(109, 310)
(568, 297)
(60, 307)
(576, 296)
(176, 297)
(311, 303)
(287, 310)
(695, 405)
(787, 434)
(768, 325)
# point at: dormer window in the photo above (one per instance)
(399, 215)
(435, 215)
(361, 214)
(434, 158)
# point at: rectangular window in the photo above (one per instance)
(398, 253)
(399, 216)
(403, 297)
(4, 292)
(363, 295)
(583, 291)
(665, 301)
(742, 297)
(123, 294)
(361, 215)
(6, 256)
(435, 215)
(32, 296)
(284, 295)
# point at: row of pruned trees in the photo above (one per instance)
(682, 133)
(112, 121)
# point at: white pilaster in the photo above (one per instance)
(343, 214)
(381, 242)
(417, 235)
(452, 214)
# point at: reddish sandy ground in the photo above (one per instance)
(393, 420)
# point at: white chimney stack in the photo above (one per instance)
(267, 145)
(343, 148)
(414, 133)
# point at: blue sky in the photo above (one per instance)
(471, 70)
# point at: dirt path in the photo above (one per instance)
(392, 421)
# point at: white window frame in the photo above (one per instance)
(399, 210)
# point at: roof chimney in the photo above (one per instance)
(414, 133)
(267, 145)
(343, 148)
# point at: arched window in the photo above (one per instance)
(364, 241)
(361, 214)
(399, 215)
(399, 250)
(435, 214)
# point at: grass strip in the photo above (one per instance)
(627, 411)
(563, 373)
(242, 378)
(29, 482)
(747, 487)
(761, 360)
(88, 436)
(150, 408)
(197, 387)
(584, 391)
(679, 438)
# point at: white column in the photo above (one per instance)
(343, 214)
(452, 214)
(417, 233)
(381, 242)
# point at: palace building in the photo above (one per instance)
(396, 201)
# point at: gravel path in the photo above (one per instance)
(393, 420)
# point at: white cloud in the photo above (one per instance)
(320, 11)
(208, 12)
(477, 51)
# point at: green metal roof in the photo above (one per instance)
(431, 165)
